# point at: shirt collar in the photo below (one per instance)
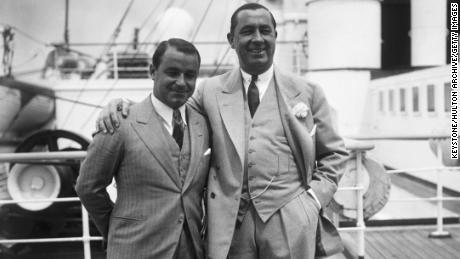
(262, 82)
(166, 112)
(265, 77)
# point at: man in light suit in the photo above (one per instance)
(160, 163)
(276, 156)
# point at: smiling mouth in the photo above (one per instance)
(256, 51)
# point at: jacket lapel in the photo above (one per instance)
(297, 135)
(231, 106)
(148, 127)
(196, 142)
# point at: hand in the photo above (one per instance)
(108, 119)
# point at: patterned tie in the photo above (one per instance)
(253, 95)
(178, 127)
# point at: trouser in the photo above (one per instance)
(289, 233)
(185, 249)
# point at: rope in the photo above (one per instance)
(111, 43)
(201, 21)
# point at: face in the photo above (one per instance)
(175, 78)
(254, 40)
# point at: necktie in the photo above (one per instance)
(178, 127)
(253, 96)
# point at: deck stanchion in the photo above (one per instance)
(439, 233)
(86, 234)
(360, 205)
(115, 65)
(297, 53)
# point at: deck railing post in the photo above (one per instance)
(360, 205)
(439, 233)
(115, 65)
(297, 53)
(86, 234)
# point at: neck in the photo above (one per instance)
(256, 71)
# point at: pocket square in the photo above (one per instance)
(207, 152)
(313, 131)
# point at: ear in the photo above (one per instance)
(152, 72)
(276, 34)
(230, 39)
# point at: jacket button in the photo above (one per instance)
(213, 195)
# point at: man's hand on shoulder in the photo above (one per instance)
(108, 119)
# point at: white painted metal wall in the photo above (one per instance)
(344, 34)
(428, 32)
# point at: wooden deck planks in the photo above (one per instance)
(411, 242)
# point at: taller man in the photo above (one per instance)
(276, 156)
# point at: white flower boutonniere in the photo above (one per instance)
(300, 110)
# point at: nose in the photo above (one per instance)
(257, 36)
(181, 80)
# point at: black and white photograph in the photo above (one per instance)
(229, 129)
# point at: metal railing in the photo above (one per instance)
(34, 157)
(291, 54)
(357, 149)
(360, 149)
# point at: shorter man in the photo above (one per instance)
(159, 158)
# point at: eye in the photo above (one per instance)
(190, 75)
(246, 31)
(172, 73)
(266, 30)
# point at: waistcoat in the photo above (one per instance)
(271, 178)
(180, 157)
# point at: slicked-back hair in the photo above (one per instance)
(248, 6)
(179, 44)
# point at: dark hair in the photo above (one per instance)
(249, 6)
(179, 44)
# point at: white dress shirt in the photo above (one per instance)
(166, 113)
(262, 82)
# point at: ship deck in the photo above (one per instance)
(405, 242)
(401, 242)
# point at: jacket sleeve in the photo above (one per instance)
(96, 173)
(196, 101)
(330, 150)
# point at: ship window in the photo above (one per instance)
(402, 100)
(415, 98)
(430, 98)
(390, 100)
(447, 93)
(381, 101)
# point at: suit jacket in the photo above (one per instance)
(319, 156)
(152, 204)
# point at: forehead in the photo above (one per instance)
(253, 18)
(174, 58)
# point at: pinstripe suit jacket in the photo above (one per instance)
(152, 204)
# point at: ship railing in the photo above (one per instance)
(357, 150)
(123, 60)
(361, 147)
(41, 157)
